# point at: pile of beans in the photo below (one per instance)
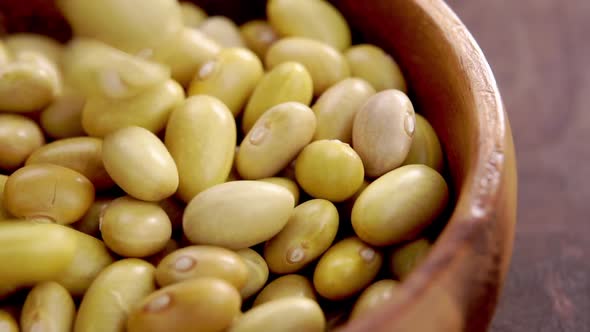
(170, 171)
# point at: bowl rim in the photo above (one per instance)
(477, 199)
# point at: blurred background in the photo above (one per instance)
(540, 53)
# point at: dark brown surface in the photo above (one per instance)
(540, 53)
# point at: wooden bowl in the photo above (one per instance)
(457, 287)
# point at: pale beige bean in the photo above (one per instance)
(29, 83)
(133, 26)
(29, 253)
(139, 163)
(19, 137)
(21, 42)
(275, 140)
(48, 307)
(289, 81)
(150, 110)
(203, 304)
(99, 70)
(317, 20)
(309, 232)
(90, 222)
(383, 130)
(371, 63)
(336, 108)
(134, 228)
(287, 184)
(222, 30)
(426, 148)
(291, 285)
(325, 64)
(192, 15)
(81, 154)
(201, 137)
(201, 262)
(113, 294)
(257, 272)
(284, 315)
(191, 51)
(91, 257)
(63, 117)
(231, 77)
(253, 212)
(48, 192)
(258, 35)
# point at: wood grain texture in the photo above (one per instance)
(540, 54)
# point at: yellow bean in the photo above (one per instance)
(192, 50)
(346, 269)
(32, 252)
(257, 272)
(63, 117)
(275, 140)
(284, 315)
(405, 258)
(231, 77)
(7, 322)
(29, 83)
(253, 212)
(133, 26)
(48, 307)
(192, 15)
(399, 205)
(325, 64)
(99, 70)
(426, 148)
(374, 297)
(336, 107)
(200, 262)
(48, 192)
(291, 285)
(19, 137)
(371, 63)
(289, 81)
(18, 43)
(201, 137)
(81, 154)
(113, 294)
(90, 259)
(203, 304)
(383, 130)
(287, 184)
(139, 163)
(312, 19)
(258, 36)
(89, 224)
(309, 232)
(149, 109)
(222, 30)
(134, 228)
